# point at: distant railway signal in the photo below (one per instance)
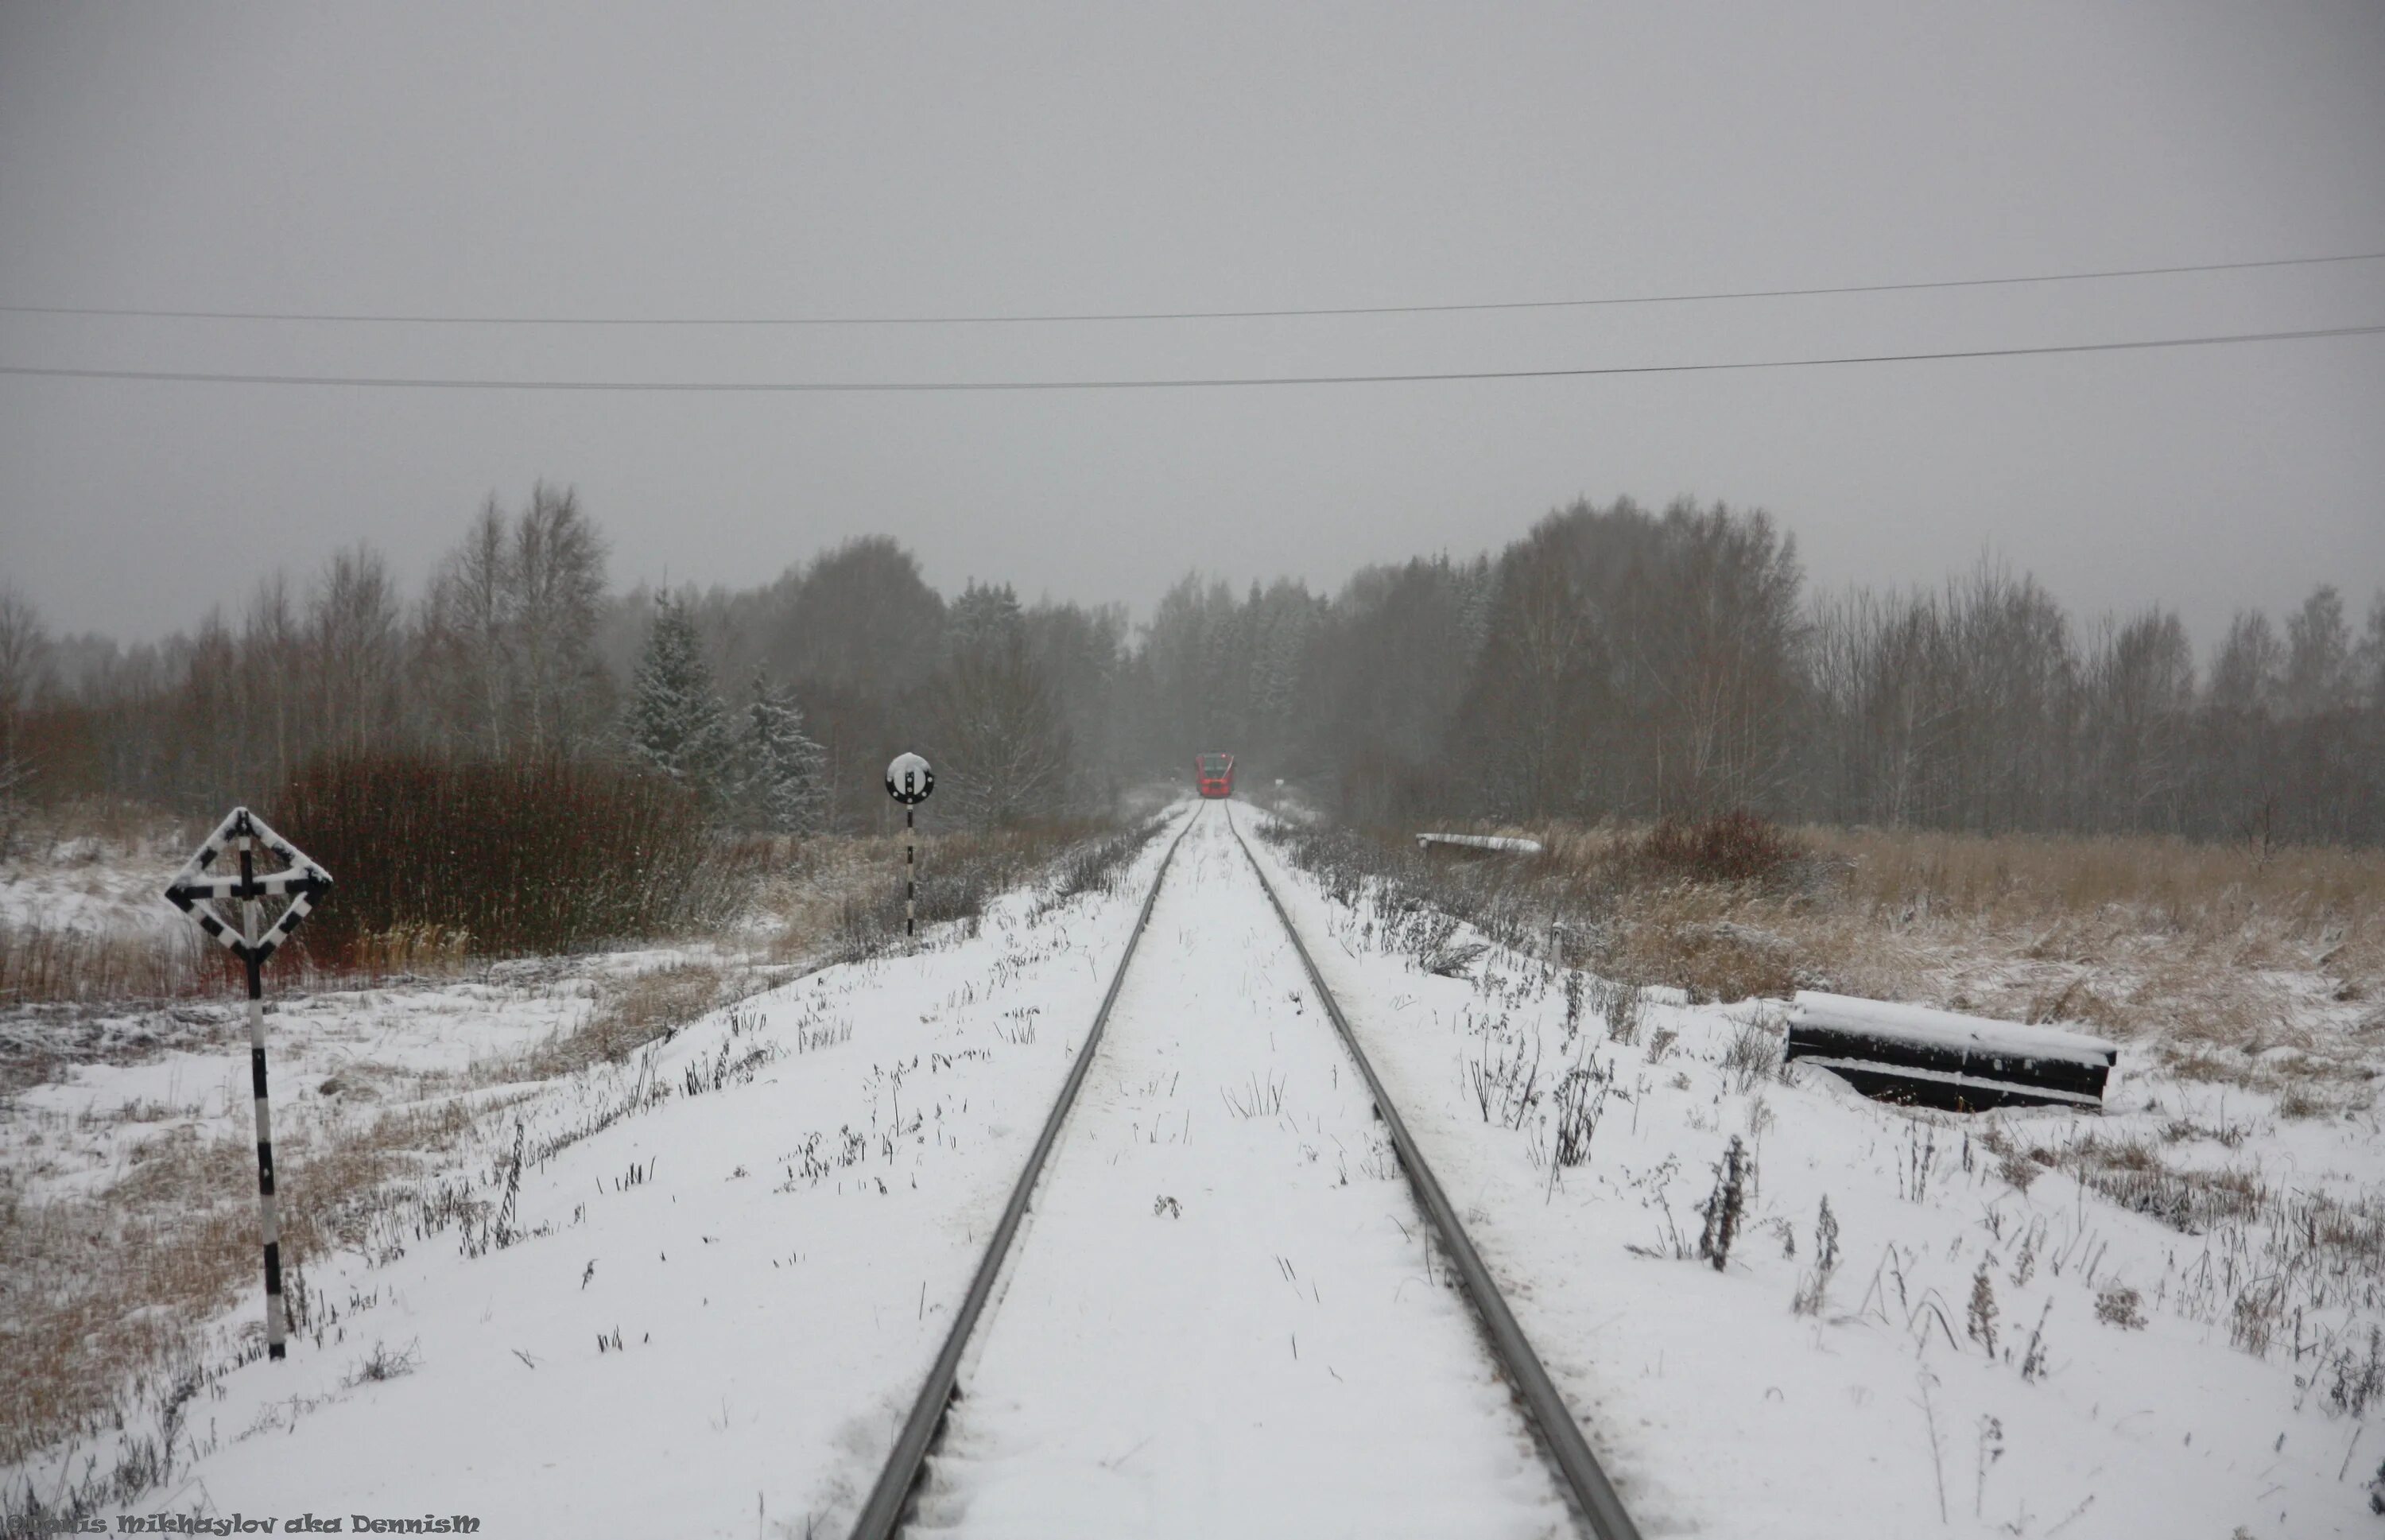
(198, 891)
(908, 781)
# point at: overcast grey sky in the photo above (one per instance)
(653, 160)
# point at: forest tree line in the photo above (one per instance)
(1614, 661)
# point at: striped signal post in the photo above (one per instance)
(908, 781)
(196, 891)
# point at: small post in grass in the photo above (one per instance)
(196, 893)
(908, 781)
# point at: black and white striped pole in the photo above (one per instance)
(196, 893)
(908, 781)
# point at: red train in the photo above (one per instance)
(1214, 773)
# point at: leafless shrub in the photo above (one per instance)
(1752, 1057)
(2252, 1321)
(1428, 939)
(1581, 1097)
(2124, 1308)
(566, 854)
(1505, 1082)
(1737, 846)
(1620, 1006)
(383, 1365)
(2355, 1380)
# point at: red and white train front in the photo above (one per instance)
(1214, 773)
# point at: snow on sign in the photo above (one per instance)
(198, 891)
(908, 779)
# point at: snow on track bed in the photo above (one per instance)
(1225, 1316)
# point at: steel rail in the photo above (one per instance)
(882, 1516)
(1560, 1435)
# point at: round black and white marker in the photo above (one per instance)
(908, 779)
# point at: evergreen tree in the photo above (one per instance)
(984, 621)
(676, 723)
(785, 771)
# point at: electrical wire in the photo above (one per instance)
(771, 387)
(363, 318)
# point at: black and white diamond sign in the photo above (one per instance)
(209, 897)
(908, 779)
(196, 889)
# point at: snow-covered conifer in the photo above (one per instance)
(785, 771)
(676, 722)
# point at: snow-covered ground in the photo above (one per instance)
(701, 1299)
(1720, 1408)
(1224, 1318)
(699, 1302)
(88, 883)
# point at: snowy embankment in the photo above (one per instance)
(1998, 1348)
(698, 1298)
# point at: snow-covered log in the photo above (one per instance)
(1941, 1058)
(1507, 843)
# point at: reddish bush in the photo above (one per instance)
(1737, 846)
(504, 857)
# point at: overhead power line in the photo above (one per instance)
(858, 387)
(367, 318)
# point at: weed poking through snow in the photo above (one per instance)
(1723, 1207)
(1260, 1099)
(383, 1365)
(2123, 1307)
(1815, 1286)
(1982, 1322)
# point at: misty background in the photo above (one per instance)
(2118, 570)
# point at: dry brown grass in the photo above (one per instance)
(2210, 890)
(107, 1294)
(634, 1011)
(56, 965)
(2201, 949)
(2260, 967)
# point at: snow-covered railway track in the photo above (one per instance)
(1233, 1320)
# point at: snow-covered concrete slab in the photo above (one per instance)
(1971, 1034)
(1511, 844)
